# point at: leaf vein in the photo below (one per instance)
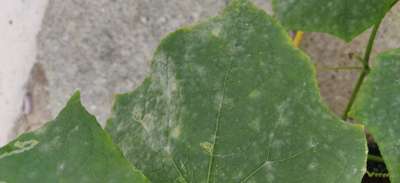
(259, 167)
(211, 163)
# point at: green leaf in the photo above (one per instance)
(231, 100)
(345, 19)
(72, 148)
(378, 107)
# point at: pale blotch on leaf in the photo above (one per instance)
(216, 31)
(312, 166)
(176, 132)
(255, 94)
(21, 147)
(61, 167)
(255, 124)
(206, 147)
(269, 168)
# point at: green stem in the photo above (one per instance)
(365, 62)
(365, 69)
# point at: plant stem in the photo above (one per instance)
(365, 62)
(365, 69)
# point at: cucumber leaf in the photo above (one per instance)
(231, 100)
(378, 107)
(72, 148)
(345, 19)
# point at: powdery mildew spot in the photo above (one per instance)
(269, 169)
(60, 167)
(312, 166)
(282, 110)
(145, 121)
(312, 143)
(255, 124)
(216, 31)
(255, 93)
(75, 129)
(176, 132)
(21, 147)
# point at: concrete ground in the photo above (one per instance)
(104, 47)
(20, 21)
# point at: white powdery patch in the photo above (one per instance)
(282, 110)
(313, 165)
(255, 94)
(75, 129)
(146, 121)
(269, 171)
(176, 132)
(60, 167)
(311, 143)
(216, 31)
(255, 124)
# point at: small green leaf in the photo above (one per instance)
(378, 107)
(72, 148)
(231, 100)
(345, 19)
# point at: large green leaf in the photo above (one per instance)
(343, 18)
(231, 100)
(72, 148)
(378, 107)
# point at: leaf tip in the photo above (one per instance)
(347, 37)
(76, 97)
(238, 5)
(74, 104)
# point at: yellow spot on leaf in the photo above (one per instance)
(21, 147)
(207, 147)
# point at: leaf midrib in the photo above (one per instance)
(211, 163)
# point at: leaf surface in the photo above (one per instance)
(345, 19)
(72, 148)
(378, 107)
(231, 100)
